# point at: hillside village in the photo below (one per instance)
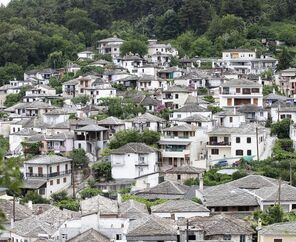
(150, 147)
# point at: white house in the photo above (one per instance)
(110, 46)
(47, 174)
(231, 144)
(230, 118)
(245, 61)
(133, 160)
(86, 55)
(148, 83)
(174, 97)
(241, 92)
(182, 145)
(179, 209)
(145, 121)
(189, 110)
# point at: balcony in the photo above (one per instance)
(215, 143)
(142, 163)
(50, 175)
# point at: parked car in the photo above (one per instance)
(221, 163)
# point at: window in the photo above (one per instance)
(255, 90)
(238, 90)
(178, 115)
(242, 238)
(226, 237)
(51, 182)
(176, 96)
(249, 152)
(239, 152)
(64, 179)
(230, 119)
(79, 146)
(58, 181)
(277, 240)
(178, 177)
(237, 140)
(118, 236)
(249, 140)
(215, 151)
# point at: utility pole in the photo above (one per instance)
(280, 183)
(73, 180)
(291, 177)
(257, 143)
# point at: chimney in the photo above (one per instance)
(201, 185)
(119, 198)
(30, 205)
(39, 211)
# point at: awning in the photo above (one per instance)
(248, 158)
(33, 183)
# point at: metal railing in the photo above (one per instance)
(53, 174)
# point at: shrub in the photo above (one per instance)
(34, 197)
(89, 192)
(59, 196)
(69, 204)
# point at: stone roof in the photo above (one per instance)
(196, 118)
(288, 193)
(111, 39)
(273, 96)
(178, 89)
(279, 229)
(227, 196)
(60, 136)
(290, 109)
(183, 127)
(147, 101)
(189, 108)
(57, 111)
(146, 117)
(33, 183)
(90, 235)
(111, 121)
(238, 50)
(166, 189)
(152, 226)
(45, 223)
(48, 159)
(219, 225)
(241, 83)
(185, 170)
(243, 129)
(21, 211)
(132, 209)
(25, 132)
(91, 127)
(179, 206)
(101, 204)
(137, 148)
(250, 108)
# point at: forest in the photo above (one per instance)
(35, 32)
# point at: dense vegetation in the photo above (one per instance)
(51, 32)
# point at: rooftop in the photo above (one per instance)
(48, 159)
(137, 148)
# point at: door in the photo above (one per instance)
(40, 171)
(255, 101)
(229, 102)
(58, 170)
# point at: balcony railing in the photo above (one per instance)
(222, 143)
(53, 174)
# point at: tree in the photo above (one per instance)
(80, 100)
(89, 192)
(202, 47)
(184, 42)
(281, 129)
(133, 46)
(59, 196)
(167, 25)
(34, 197)
(10, 72)
(12, 99)
(79, 158)
(69, 204)
(102, 171)
(56, 59)
(285, 60)
(130, 135)
(273, 214)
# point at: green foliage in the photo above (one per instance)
(209, 99)
(281, 129)
(89, 69)
(57, 102)
(31, 148)
(69, 204)
(148, 203)
(212, 178)
(285, 59)
(91, 182)
(10, 72)
(59, 196)
(191, 182)
(89, 192)
(273, 214)
(12, 99)
(130, 135)
(79, 158)
(34, 197)
(202, 47)
(269, 89)
(215, 109)
(167, 25)
(283, 149)
(183, 43)
(133, 46)
(196, 200)
(80, 100)
(239, 174)
(102, 171)
(121, 108)
(202, 91)
(56, 84)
